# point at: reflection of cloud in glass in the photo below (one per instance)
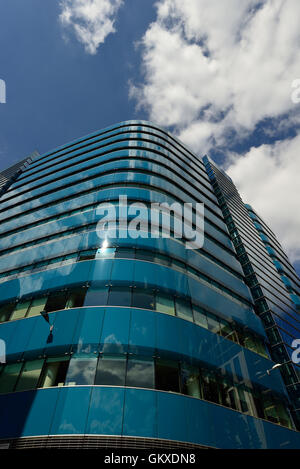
(140, 373)
(107, 404)
(82, 371)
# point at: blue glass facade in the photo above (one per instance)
(150, 339)
(270, 276)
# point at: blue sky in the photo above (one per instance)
(55, 90)
(221, 82)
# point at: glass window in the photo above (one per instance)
(228, 394)
(125, 253)
(210, 386)
(226, 328)
(140, 373)
(54, 372)
(283, 415)
(76, 298)
(9, 376)
(273, 336)
(165, 304)
(213, 323)
(20, 310)
(56, 260)
(96, 297)
(144, 255)
(30, 375)
(261, 347)
(119, 296)
(249, 341)
(166, 376)
(105, 252)
(86, 255)
(200, 317)
(246, 401)
(163, 260)
(258, 406)
(142, 298)
(111, 370)
(37, 305)
(71, 256)
(56, 301)
(270, 409)
(183, 309)
(5, 311)
(81, 370)
(190, 383)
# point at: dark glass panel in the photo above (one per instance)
(9, 376)
(56, 301)
(183, 309)
(5, 311)
(143, 299)
(213, 323)
(200, 317)
(111, 370)
(76, 297)
(140, 373)
(30, 375)
(87, 255)
(124, 253)
(96, 297)
(119, 296)
(81, 370)
(166, 376)
(190, 381)
(210, 386)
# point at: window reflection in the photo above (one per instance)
(165, 304)
(120, 296)
(20, 310)
(30, 375)
(54, 372)
(183, 309)
(9, 376)
(190, 378)
(140, 373)
(137, 298)
(146, 372)
(96, 297)
(6, 311)
(37, 305)
(111, 370)
(142, 299)
(81, 370)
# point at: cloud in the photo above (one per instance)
(214, 71)
(91, 20)
(214, 66)
(268, 178)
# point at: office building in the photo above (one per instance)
(129, 341)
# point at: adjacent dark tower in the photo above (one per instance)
(273, 281)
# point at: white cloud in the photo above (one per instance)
(214, 70)
(91, 20)
(268, 178)
(223, 64)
